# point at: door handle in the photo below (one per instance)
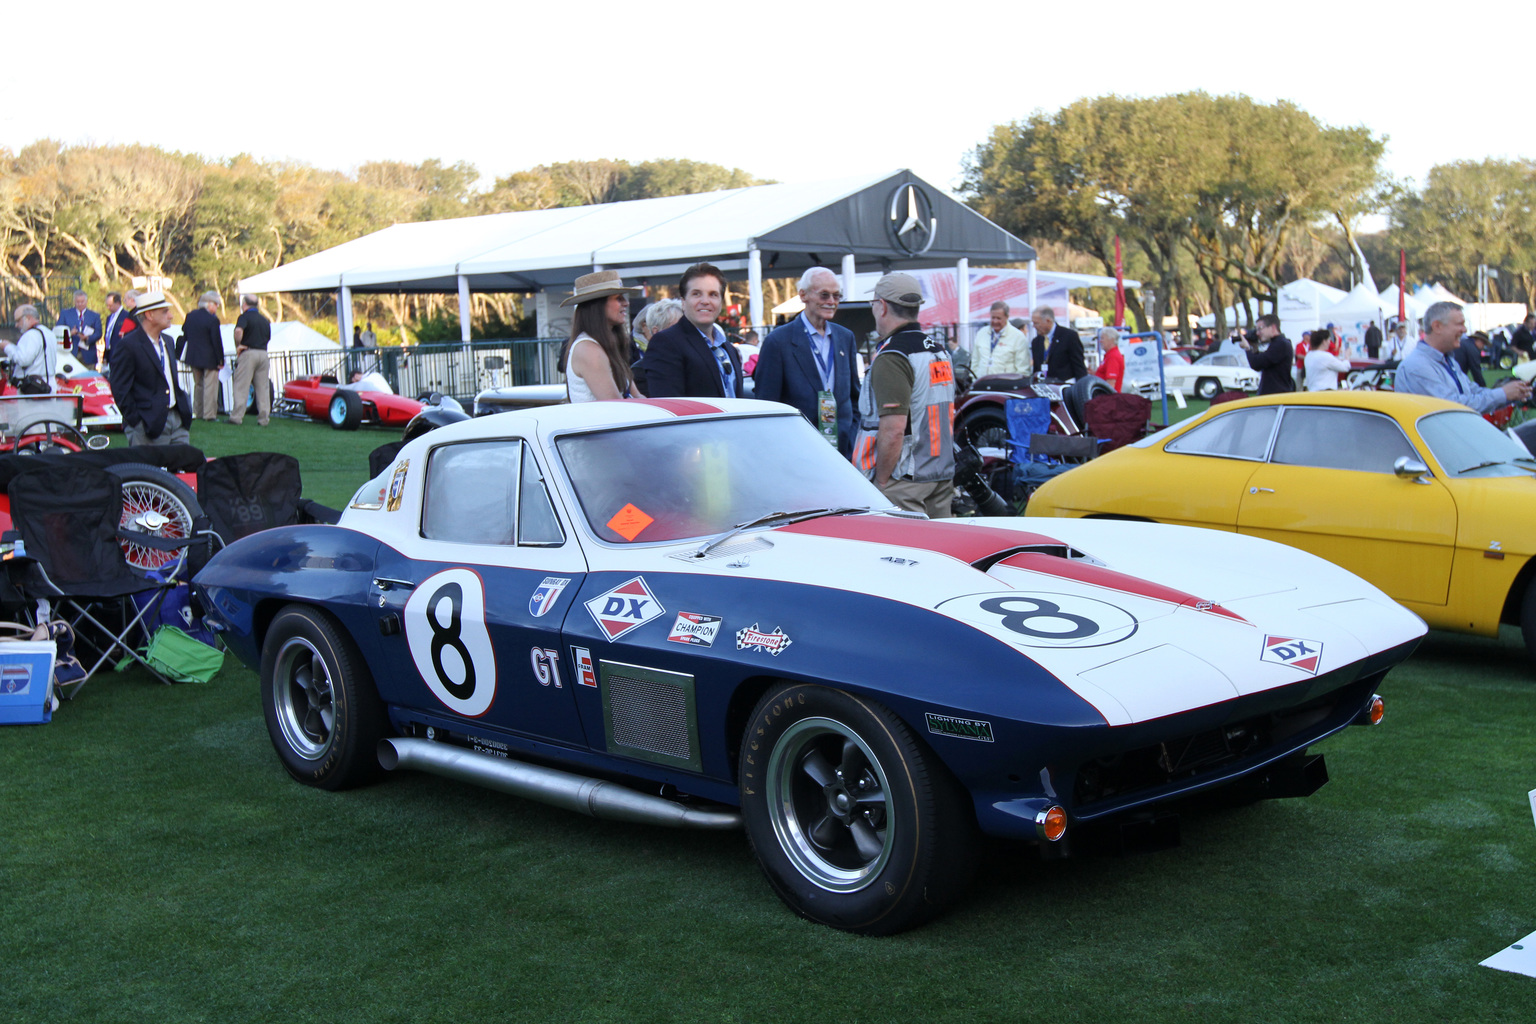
(386, 583)
(1256, 490)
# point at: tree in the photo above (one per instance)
(1472, 213)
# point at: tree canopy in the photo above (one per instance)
(1203, 189)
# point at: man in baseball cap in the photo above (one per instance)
(904, 443)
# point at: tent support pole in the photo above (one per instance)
(1033, 298)
(850, 275)
(963, 302)
(464, 309)
(344, 315)
(755, 285)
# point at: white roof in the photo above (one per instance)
(804, 222)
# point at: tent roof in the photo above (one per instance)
(795, 226)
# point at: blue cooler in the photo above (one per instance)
(26, 682)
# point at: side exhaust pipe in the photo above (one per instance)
(593, 797)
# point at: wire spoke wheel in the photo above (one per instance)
(153, 508)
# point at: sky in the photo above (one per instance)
(790, 92)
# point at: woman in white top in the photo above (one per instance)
(596, 356)
(1321, 366)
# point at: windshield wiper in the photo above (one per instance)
(775, 517)
(1498, 462)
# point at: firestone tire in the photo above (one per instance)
(322, 711)
(346, 410)
(855, 824)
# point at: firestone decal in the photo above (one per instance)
(774, 643)
(1293, 651)
(694, 628)
(546, 595)
(445, 631)
(625, 607)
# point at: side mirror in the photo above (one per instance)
(1410, 469)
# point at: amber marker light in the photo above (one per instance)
(1376, 710)
(1051, 823)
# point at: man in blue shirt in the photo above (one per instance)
(1431, 370)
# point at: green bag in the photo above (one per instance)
(185, 659)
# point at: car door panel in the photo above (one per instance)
(1392, 531)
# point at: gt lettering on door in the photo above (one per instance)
(546, 666)
(445, 630)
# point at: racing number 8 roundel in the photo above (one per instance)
(445, 630)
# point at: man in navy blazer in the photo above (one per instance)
(693, 358)
(144, 385)
(811, 355)
(84, 330)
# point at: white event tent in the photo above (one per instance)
(1302, 303)
(894, 222)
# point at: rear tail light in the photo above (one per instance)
(1051, 823)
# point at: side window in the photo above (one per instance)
(1340, 439)
(472, 492)
(1240, 434)
(537, 524)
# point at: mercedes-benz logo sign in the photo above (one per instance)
(911, 221)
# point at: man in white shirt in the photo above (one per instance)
(999, 347)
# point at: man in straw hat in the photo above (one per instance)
(904, 443)
(144, 385)
(202, 348)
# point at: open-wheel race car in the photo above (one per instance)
(696, 613)
(369, 400)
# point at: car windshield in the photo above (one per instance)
(700, 477)
(1466, 445)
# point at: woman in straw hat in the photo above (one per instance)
(596, 357)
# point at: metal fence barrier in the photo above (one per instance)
(457, 369)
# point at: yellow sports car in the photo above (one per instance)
(1422, 497)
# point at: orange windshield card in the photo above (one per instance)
(628, 521)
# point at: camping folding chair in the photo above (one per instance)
(245, 494)
(1115, 420)
(66, 512)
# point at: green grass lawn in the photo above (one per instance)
(157, 864)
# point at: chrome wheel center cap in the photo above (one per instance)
(151, 522)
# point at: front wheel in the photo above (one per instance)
(854, 823)
(1207, 388)
(346, 410)
(323, 713)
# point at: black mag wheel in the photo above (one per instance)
(856, 825)
(323, 714)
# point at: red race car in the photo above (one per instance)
(369, 399)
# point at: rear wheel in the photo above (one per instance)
(984, 428)
(158, 504)
(855, 824)
(323, 713)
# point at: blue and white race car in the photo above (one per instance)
(697, 614)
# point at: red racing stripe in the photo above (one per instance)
(967, 543)
(1099, 576)
(678, 406)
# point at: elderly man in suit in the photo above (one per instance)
(84, 329)
(999, 347)
(1063, 347)
(693, 358)
(155, 409)
(202, 348)
(809, 363)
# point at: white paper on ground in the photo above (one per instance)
(1517, 958)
